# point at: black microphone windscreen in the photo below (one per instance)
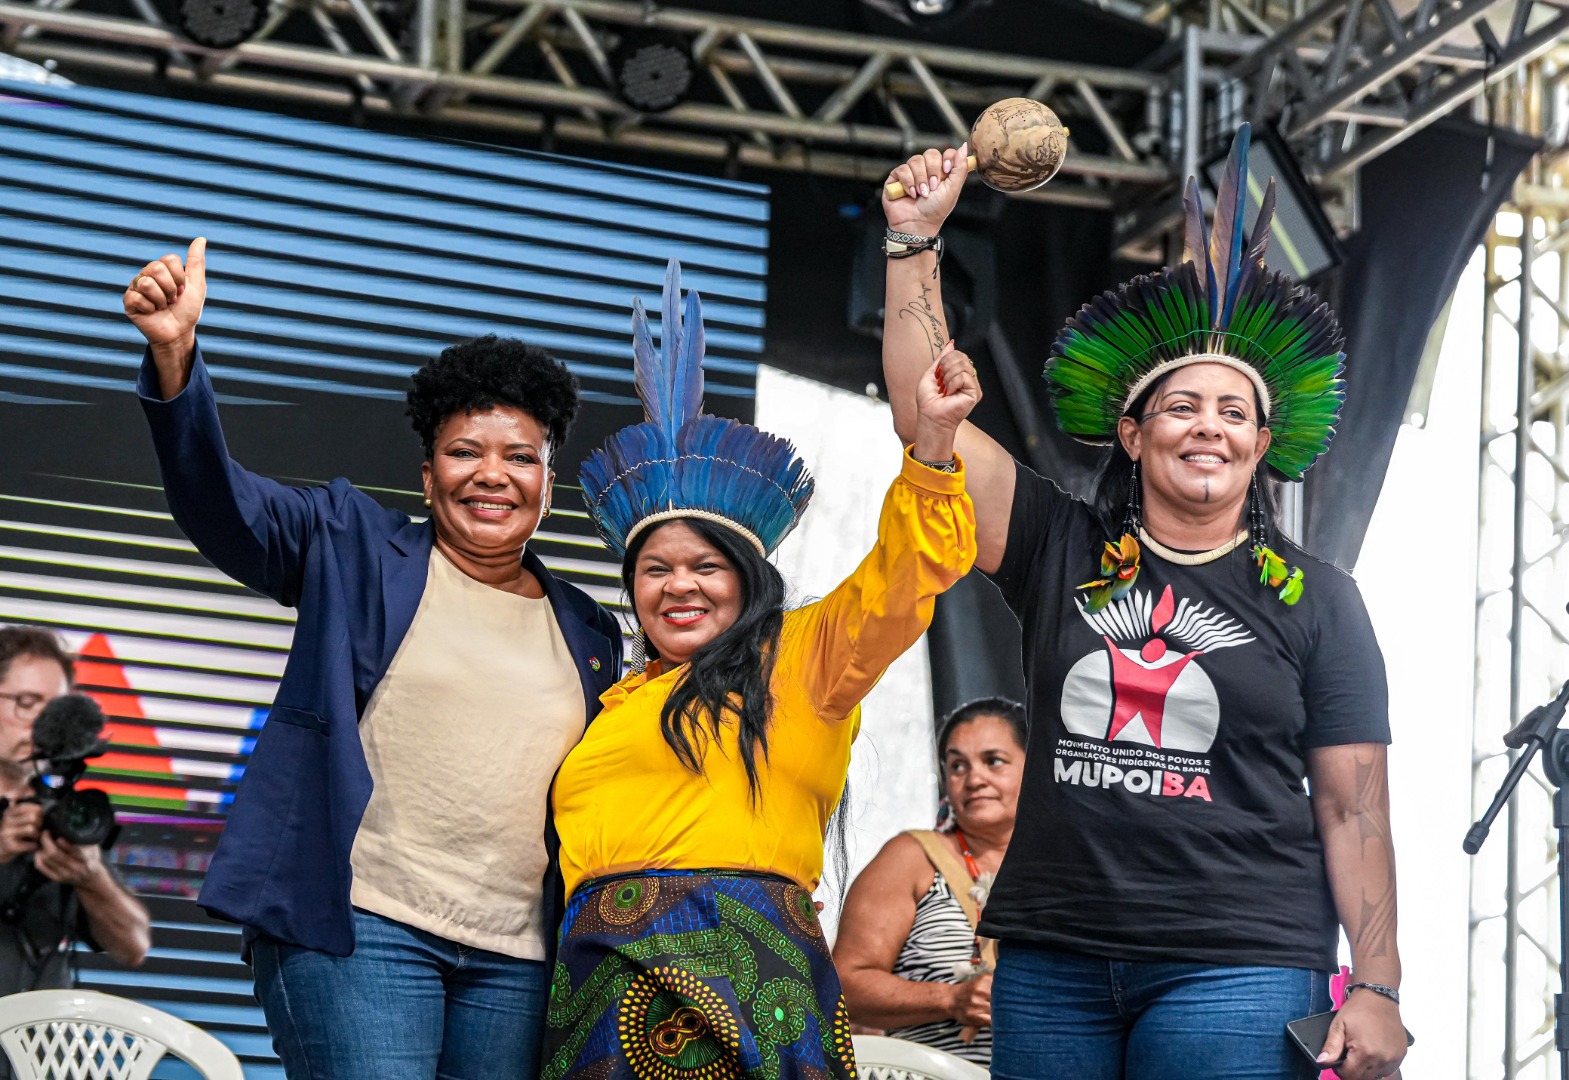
(67, 728)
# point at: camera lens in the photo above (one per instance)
(81, 816)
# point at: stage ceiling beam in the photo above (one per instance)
(1345, 80)
(1346, 66)
(786, 94)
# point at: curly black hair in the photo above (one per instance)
(490, 371)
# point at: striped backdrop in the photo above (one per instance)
(339, 260)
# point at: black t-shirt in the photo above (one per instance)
(34, 953)
(1164, 814)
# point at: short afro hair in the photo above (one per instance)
(490, 371)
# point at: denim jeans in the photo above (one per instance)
(407, 1005)
(1061, 1014)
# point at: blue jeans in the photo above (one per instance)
(1060, 1014)
(407, 1005)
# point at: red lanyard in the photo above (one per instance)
(975, 875)
(969, 860)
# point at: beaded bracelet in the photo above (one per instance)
(898, 245)
(1378, 988)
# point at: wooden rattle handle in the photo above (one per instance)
(895, 190)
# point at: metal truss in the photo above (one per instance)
(1348, 79)
(1345, 79)
(1522, 633)
(766, 94)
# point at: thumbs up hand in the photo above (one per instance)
(164, 301)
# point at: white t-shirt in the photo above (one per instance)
(463, 736)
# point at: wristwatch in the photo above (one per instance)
(1378, 988)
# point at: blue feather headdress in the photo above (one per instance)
(681, 463)
(1220, 305)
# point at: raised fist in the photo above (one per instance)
(948, 391)
(932, 182)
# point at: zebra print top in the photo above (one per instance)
(940, 943)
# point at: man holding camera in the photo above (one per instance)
(68, 891)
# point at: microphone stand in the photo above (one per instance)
(1539, 731)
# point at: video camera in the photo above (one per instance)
(66, 734)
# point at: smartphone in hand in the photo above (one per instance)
(1309, 1034)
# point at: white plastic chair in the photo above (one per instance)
(878, 1057)
(85, 1035)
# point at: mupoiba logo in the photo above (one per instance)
(1146, 688)
(1158, 782)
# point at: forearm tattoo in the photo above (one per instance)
(927, 320)
(1372, 933)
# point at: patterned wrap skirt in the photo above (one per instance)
(695, 975)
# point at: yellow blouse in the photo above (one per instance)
(624, 802)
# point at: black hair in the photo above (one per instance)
(18, 641)
(836, 845)
(1109, 498)
(489, 371)
(1000, 707)
(731, 674)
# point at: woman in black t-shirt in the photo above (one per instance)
(1173, 894)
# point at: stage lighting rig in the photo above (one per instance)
(653, 70)
(220, 24)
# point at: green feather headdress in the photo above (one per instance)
(1220, 306)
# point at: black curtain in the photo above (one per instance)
(1425, 208)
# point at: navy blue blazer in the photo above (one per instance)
(355, 571)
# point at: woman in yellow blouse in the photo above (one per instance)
(690, 946)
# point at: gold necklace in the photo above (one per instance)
(1195, 558)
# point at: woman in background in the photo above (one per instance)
(907, 951)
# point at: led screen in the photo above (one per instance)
(340, 259)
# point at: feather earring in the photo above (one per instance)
(1119, 562)
(1133, 515)
(1272, 568)
(637, 652)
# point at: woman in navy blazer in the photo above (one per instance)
(350, 993)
